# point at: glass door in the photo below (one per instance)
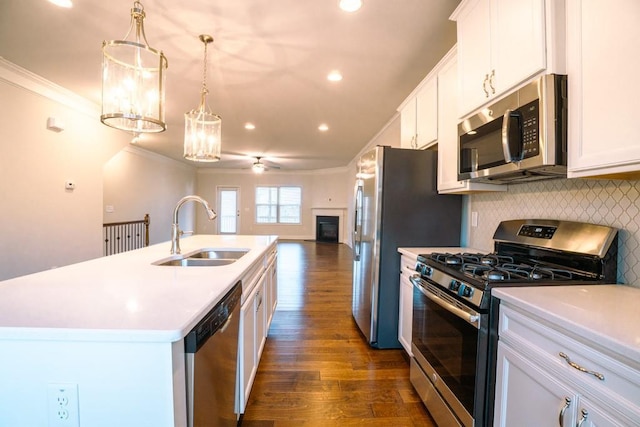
(229, 210)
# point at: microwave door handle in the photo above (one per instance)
(512, 149)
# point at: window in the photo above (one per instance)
(278, 205)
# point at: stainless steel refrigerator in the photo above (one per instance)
(396, 205)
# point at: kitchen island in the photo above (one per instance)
(112, 329)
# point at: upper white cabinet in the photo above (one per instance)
(603, 41)
(503, 43)
(447, 76)
(419, 115)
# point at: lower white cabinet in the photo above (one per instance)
(256, 313)
(271, 287)
(546, 378)
(405, 308)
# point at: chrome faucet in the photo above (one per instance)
(175, 229)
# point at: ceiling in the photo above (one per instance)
(268, 65)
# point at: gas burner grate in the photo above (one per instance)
(510, 271)
(495, 259)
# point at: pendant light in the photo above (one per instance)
(202, 128)
(133, 77)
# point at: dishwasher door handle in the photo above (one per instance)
(226, 324)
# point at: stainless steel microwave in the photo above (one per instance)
(522, 137)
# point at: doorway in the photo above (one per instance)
(228, 210)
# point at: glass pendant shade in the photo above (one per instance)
(258, 167)
(202, 136)
(133, 81)
(202, 128)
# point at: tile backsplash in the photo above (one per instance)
(608, 202)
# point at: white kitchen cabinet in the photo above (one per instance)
(419, 115)
(448, 153)
(529, 393)
(503, 43)
(259, 300)
(405, 308)
(271, 287)
(603, 39)
(537, 386)
(252, 336)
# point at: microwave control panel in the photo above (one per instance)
(530, 129)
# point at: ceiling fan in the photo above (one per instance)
(259, 166)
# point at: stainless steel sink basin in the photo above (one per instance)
(208, 257)
(219, 254)
(197, 262)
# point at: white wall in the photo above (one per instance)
(43, 225)
(320, 189)
(137, 182)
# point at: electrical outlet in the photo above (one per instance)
(474, 219)
(63, 405)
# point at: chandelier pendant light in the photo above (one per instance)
(202, 128)
(133, 80)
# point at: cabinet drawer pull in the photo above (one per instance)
(567, 403)
(585, 414)
(598, 375)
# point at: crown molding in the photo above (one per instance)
(17, 76)
(138, 151)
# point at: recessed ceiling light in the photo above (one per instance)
(249, 126)
(62, 3)
(323, 128)
(350, 5)
(334, 76)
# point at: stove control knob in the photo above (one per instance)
(465, 291)
(454, 285)
(426, 271)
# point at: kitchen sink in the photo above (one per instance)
(209, 257)
(219, 254)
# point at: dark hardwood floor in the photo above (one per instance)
(316, 369)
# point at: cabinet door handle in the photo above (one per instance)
(567, 403)
(574, 365)
(585, 414)
(259, 297)
(484, 85)
(491, 78)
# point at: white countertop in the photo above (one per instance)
(606, 315)
(414, 252)
(123, 297)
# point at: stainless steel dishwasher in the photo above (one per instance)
(211, 350)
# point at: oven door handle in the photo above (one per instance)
(472, 317)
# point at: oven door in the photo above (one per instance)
(445, 342)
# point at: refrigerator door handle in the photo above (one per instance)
(357, 228)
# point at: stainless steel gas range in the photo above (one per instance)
(455, 317)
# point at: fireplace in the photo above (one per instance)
(327, 228)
